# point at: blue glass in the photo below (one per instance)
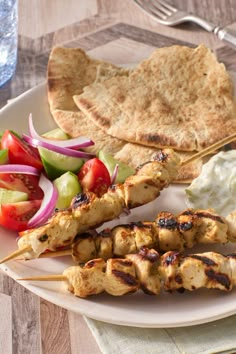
(8, 39)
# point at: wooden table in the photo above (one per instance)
(113, 30)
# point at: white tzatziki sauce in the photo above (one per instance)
(215, 187)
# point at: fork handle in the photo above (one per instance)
(226, 35)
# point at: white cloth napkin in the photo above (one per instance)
(214, 337)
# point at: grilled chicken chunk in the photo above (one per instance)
(58, 232)
(209, 270)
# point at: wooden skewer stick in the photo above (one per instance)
(53, 277)
(210, 149)
(52, 254)
(182, 182)
(16, 254)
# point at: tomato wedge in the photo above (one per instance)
(94, 177)
(23, 183)
(19, 152)
(15, 216)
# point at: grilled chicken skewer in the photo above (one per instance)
(167, 232)
(149, 272)
(89, 211)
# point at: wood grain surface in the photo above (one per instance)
(113, 30)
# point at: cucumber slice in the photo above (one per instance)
(56, 134)
(67, 186)
(3, 156)
(8, 197)
(56, 164)
(124, 170)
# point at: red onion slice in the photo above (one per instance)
(48, 203)
(76, 143)
(114, 175)
(61, 150)
(15, 168)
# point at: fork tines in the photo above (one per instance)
(158, 8)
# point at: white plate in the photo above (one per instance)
(166, 310)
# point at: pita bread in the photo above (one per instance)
(69, 71)
(129, 153)
(180, 97)
(66, 77)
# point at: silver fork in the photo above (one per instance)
(169, 15)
